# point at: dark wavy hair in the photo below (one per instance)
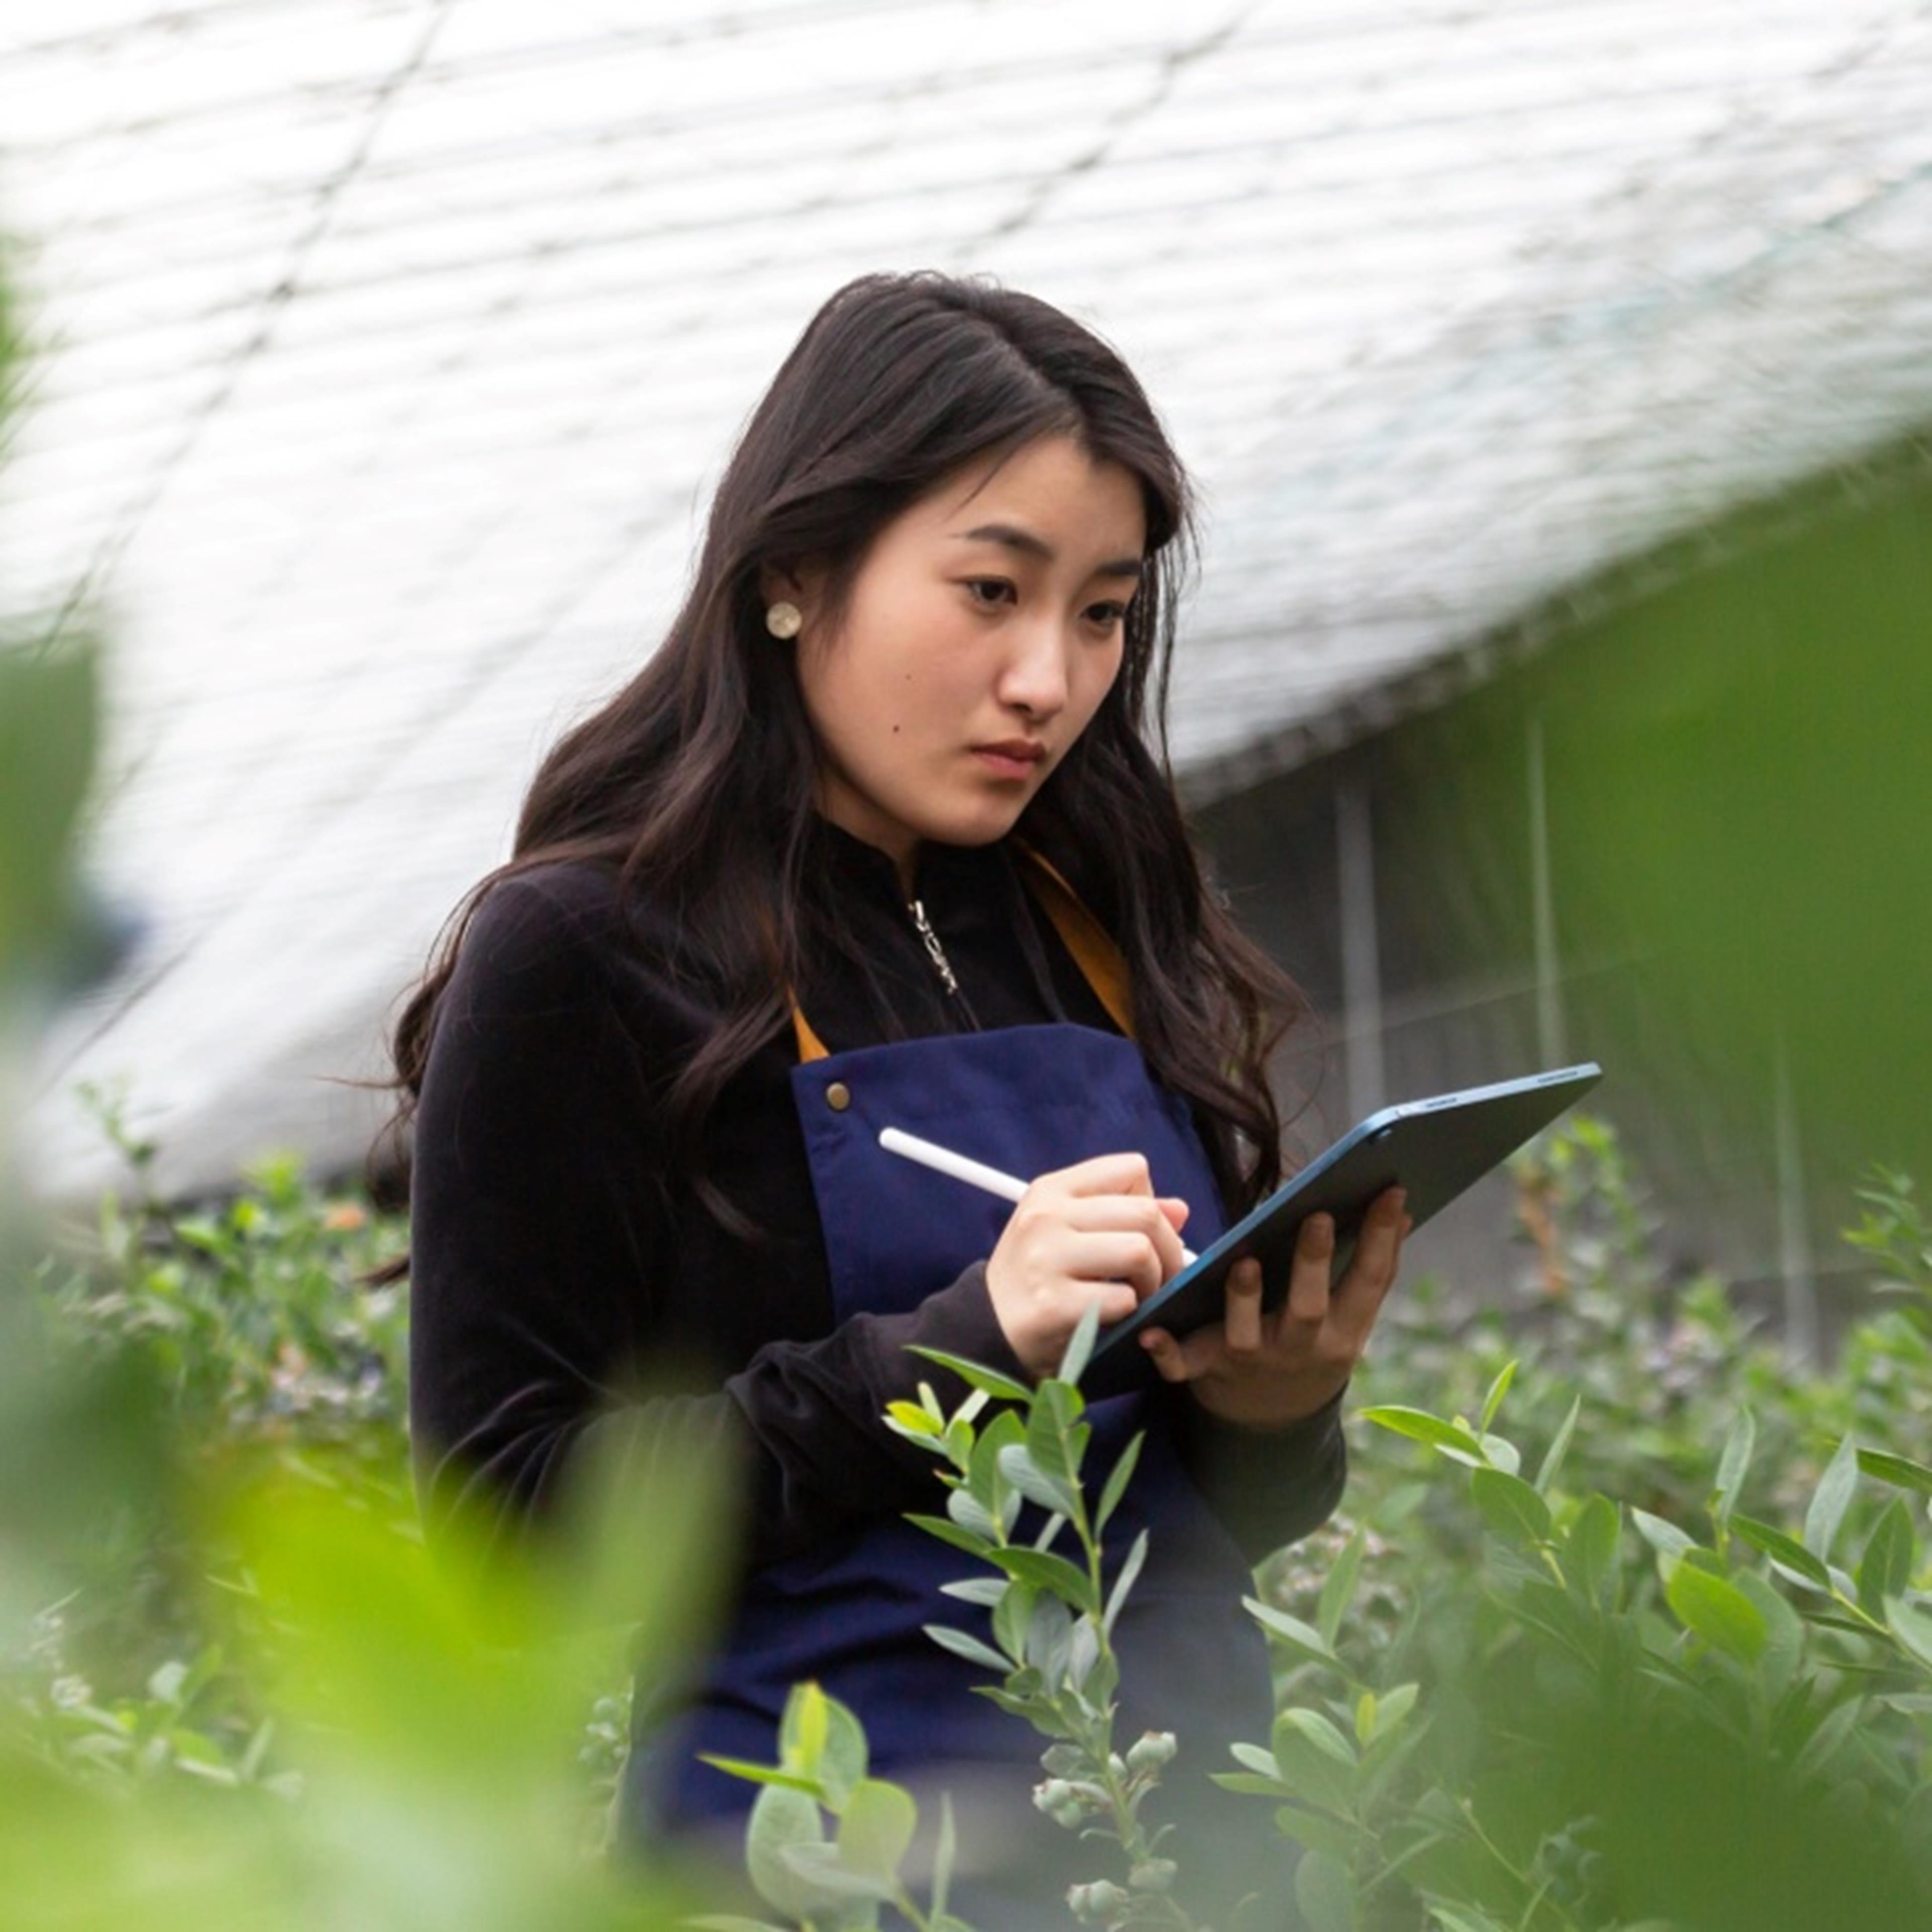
(697, 780)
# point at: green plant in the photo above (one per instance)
(829, 1880)
(1590, 1729)
(1893, 1232)
(1051, 1619)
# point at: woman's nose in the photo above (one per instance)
(1033, 678)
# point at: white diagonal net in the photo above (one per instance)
(390, 348)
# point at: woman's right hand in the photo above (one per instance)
(1096, 1232)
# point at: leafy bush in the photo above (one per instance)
(1626, 1624)
(1508, 1700)
(250, 1328)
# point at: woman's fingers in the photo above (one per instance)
(1308, 1275)
(1373, 1268)
(1141, 1217)
(1105, 1174)
(1094, 1233)
(1241, 1320)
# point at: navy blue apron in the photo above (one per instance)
(849, 1615)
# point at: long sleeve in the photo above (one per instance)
(553, 1279)
(1269, 1486)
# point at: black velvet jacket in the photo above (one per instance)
(558, 1264)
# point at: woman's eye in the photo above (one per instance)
(988, 591)
(1106, 616)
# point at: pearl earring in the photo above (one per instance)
(784, 620)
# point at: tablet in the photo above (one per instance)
(1436, 1148)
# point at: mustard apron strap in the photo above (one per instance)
(1083, 935)
(810, 1046)
(1093, 948)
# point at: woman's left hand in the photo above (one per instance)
(1268, 1371)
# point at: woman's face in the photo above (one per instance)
(981, 632)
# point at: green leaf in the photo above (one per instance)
(1666, 1538)
(729, 1921)
(1319, 1730)
(972, 1515)
(1325, 1891)
(843, 1765)
(1717, 1611)
(1900, 1471)
(985, 1477)
(1338, 1587)
(1551, 1612)
(782, 1819)
(1291, 1631)
(1003, 1388)
(1316, 1830)
(1829, 1738)
(1493, 1400)
(1732, 1465)
(1911, 1623)
(1117, 1480)
(1588, 1554)
(820, 1738)
(803, 1729)
(970, 1648)
(1450, 1437)
(1828, 1504)
(1553, 1462)
(1043, 1570)
(1012, 1617)
(834, 1886)
(1463, 1918)
(1249, 1784)
(1050, 1492)
(1306, 1770)
(1891, 1551)
(986, 1592)
(1079, 1346)
(944, 1854)
(1043, 1713)
(1784, 1651)
(950, 1532)
(1392, 1708)
(912, 1421)
(1367, 1707)
(762, 1774)
(1785, 1551)
(1049, 1641)
(1262, 1762)
(876, 1829)
(1117, 1598)
(1511, 1508)
(1056, 1439)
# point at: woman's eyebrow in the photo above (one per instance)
(1014, 538)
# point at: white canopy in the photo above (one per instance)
(391, 345)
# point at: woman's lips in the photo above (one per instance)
(1011, 758)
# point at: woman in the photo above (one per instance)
(877, 837)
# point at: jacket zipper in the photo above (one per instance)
(934, 951)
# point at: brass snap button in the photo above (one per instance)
(838, 1097)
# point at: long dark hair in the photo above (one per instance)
(697, 780)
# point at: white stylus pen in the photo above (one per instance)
(974, 1173)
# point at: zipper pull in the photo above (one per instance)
(934, 951)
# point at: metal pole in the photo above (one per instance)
(1549, 1028)
(1361, 958)
(1794, 1224)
